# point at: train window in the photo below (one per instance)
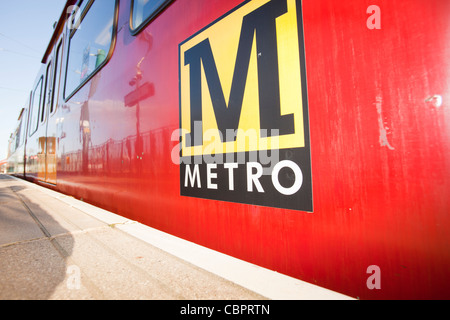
(22, 126)
(57, 68)
(143, 11)
(90, 44)
(19, 134)
(35, 103)
(47, 90)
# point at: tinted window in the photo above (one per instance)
(35, 103)
(145, 10)
(55, 92)
(48, 90)
(90, 44)
(19, 134)
(23, 127)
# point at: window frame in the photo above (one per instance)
(146, 21)
(71, 33)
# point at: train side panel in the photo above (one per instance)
(374, 87)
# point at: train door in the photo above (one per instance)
(52, 92)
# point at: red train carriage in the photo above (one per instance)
(308, 137)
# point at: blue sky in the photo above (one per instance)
(26, 27)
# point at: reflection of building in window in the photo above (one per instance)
(90, 44)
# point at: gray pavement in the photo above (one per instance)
(51, 248)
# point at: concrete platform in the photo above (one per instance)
(53, 246)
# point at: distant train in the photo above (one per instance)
(308, 137)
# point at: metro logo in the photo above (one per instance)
(243, 91)
(251, 57)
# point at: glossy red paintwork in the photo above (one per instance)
(380, 151)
